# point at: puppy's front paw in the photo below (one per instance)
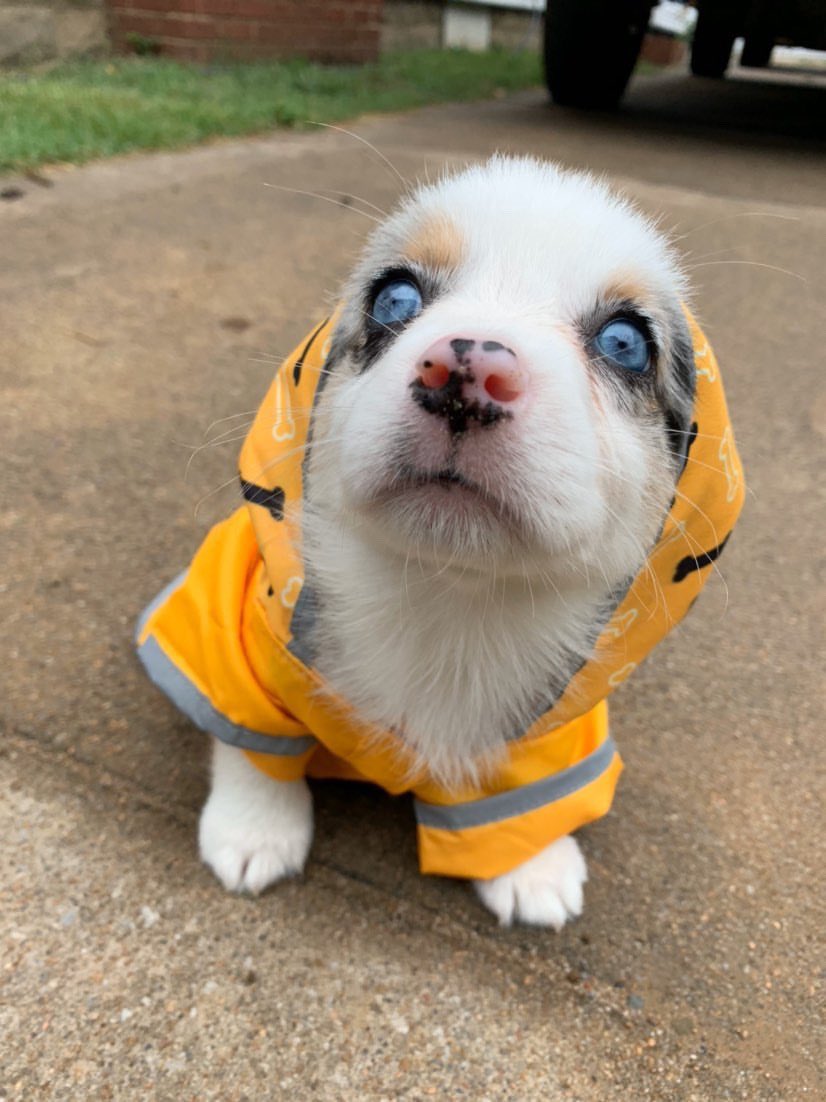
(253, 830)
(545, 891)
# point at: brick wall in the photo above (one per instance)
(215, 30)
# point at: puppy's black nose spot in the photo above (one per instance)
(495, 346)
(461, 346)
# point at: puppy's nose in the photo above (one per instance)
(477, 370)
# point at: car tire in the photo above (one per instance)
(757, 52)
(713, 39)
(591, 47)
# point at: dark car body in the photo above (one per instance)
(591, 46)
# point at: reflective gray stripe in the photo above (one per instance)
(507, 805)
(302, 623)
(153, 606)
(192, 702)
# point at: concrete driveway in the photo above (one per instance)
(144, 303)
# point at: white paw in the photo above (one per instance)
(545, 891)
(253, 830)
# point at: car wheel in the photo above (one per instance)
(713, 39)
(591, 47)
(757, 52)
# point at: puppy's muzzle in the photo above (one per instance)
(469, 380)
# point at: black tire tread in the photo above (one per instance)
(591, 47)
(711, 49)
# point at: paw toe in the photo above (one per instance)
(544, 891)
(572, 896)
(253, 835)
(498, 898)
(542, 906)
(265, 866)
(228, 864)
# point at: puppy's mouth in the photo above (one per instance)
(446, 477)
(445, 494)
(449, 481)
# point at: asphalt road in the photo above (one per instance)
(146, 298)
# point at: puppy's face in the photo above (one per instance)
(511, 380)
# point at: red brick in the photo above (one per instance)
(321, 29)
(144, 23)
(248, 9)
(235, 29)
(195, 7)
(188, 51)
(154, 25)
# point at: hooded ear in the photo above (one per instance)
(678, 381)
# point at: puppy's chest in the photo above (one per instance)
(474, 669)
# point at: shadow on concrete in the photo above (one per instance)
(741, 107)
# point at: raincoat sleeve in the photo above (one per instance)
(550, 785)
(196, 641)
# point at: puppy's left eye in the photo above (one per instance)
(396, 303)
(626, 343)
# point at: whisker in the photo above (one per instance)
(405, 592)
(230, 417)
(221, 437)
(214, 440)
(730, 217)
(375, 320)
(357, 137)
(644, 555)
(272, 358)
(263, 469)
(211, 444)
(324, 199)
(358, 199)
(527, 578)
(700, 549)
(750, 264)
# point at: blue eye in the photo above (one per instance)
(396, 303)
(625, 343)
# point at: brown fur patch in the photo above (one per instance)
(626, 289)
(436, 244)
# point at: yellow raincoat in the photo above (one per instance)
(229, 642)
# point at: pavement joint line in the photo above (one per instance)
(508, 947)
(105, 778)
(111, 782)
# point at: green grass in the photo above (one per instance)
(86, 109)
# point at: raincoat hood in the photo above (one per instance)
(707, 501)
(230, 641)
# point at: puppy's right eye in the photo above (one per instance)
(624, 342)
(396, 303)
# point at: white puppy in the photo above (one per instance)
(504, 417)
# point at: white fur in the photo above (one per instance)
(253, 830)
(449, 619)
(545, 891)
(450, 625)
(471, 655)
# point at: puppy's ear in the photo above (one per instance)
(677, 384)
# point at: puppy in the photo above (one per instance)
(475, 498)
